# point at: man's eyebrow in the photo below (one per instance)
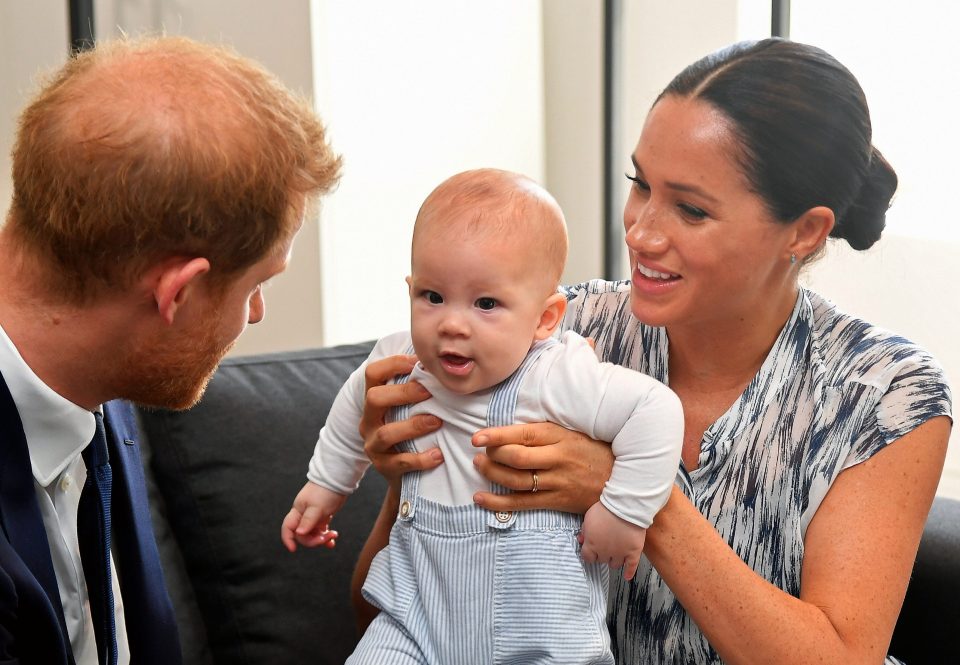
(679, 186)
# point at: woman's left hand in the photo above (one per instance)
(570, 468)
(381, 437)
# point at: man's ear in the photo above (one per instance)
(553, 309)
(810, 231)
(173, 284)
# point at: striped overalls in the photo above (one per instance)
(461, 585)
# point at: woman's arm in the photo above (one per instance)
(859, 551)
(380, 438)
(379, 536)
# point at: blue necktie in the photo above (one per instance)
(93, 530)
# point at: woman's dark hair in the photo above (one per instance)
(804, 132)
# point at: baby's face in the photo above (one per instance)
(475, 304)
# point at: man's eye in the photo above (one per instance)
(486, 303)
(433, 297)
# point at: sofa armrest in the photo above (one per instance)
(227, 472)
(926, 631)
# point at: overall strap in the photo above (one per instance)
(503, 405)
(502, 411)
(410, 484)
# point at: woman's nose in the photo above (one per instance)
(644, 228)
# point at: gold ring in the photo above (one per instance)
(536, 482)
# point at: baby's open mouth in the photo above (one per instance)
(454, 363)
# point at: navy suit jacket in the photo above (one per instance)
(32, 626)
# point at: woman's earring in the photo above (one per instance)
(793, 259)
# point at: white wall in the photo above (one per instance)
(411, 97)
(33, 38)
(904, 57)
(573, 108)
(412, 94)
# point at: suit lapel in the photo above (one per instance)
(150, 622)
(19, 512)
(151, 626)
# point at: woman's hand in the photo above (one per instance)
(381, 437)
(570, 467)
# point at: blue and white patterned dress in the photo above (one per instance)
(832, 392)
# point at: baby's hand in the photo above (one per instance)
(608, 539)
(308, 522)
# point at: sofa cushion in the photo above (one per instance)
(227, 471)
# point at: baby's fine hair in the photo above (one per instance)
(499, 204)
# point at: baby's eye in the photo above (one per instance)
(486, 303)
(433, 297)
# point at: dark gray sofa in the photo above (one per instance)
(225, 474)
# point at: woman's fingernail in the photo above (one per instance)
(436, 455)
(481, 440)
(477, 499)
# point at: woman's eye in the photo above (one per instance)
(433, 297)
(638, 182)
(692, 212)
(486, 303)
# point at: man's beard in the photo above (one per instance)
(173, 373)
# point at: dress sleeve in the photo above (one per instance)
(916, 392)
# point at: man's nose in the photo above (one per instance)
(257, 307)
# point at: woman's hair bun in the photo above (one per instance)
(864, 220)
(796, 151)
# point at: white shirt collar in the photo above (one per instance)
(57, 430)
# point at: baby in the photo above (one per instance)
(459, 584)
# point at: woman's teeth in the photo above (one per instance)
(654, 274)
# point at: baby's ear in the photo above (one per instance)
(553, 309)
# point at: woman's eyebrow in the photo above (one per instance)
(679, 186)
